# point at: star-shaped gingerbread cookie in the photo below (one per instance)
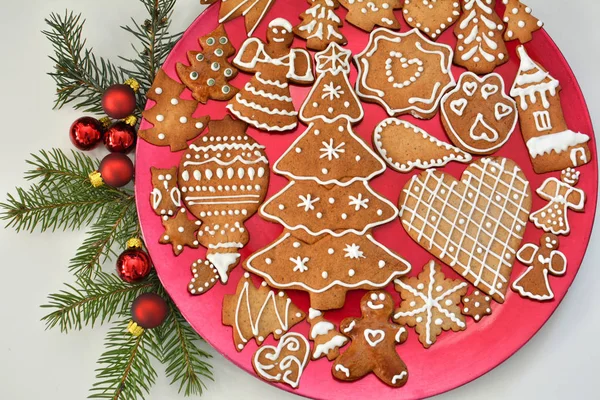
(477, 305)
(180, 231)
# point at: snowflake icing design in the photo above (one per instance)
(331, 151)
(353, 251)
(307, 202)
(300, 264)
(332, 91)
(358, 202)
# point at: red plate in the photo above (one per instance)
(456, 358)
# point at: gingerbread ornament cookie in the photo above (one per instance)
(540, 261)
(253, 11)
(366, 14)
(520, 24)
(166, 196)
(180, 231)
(284, 363)
(373, 348)
(430, 303)
(210, 71)
(405, 146)
(320, 25)
(256, 313)
(475, 225)
(480, 47)
(478, 115)
(173, 123)
(405, 73)
(326, 337)
(477, 305)
(432, 17)
(552, 145)
(265, 101)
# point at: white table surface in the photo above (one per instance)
(559, 362)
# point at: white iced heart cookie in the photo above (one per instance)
(432, 17)
(284, 363)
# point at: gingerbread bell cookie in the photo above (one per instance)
(405, 73)
(326, 337)
(284, 363)
(366, 14)
(430, 303)
(478, 115)
(541, 261)
(480, 47)
(520, 24)
(210, 71)
(477, 305)
(320, 25)
(173, 123)
(373, 348)
(405, 146)
(166, 196)
(552, 145)
(459, 221)
(257, 313)
(253, 11)
(265, 101)
(432, 17)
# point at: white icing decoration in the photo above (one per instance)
(290, 364)
(374, 336)
(340, 367)
(335, 342)
(222, 262)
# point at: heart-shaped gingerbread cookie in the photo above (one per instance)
(432, 17)
(284, 363)
(475, 225)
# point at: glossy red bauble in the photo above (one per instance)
(116, 170)
(149, 310)
(133, 265)
(118, 101)
(120, 138)
(86, 133)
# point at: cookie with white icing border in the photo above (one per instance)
(432, 17)
(478, 116)
(373, 348)
(284, 363)
(366, 14)
(404, 146)
(327, 339)
(520, 23)
(477, 305)
(406, 73)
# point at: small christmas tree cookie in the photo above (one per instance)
(327, 338)
(320, 25)
(520, 24)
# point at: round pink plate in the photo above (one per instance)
(456, 358)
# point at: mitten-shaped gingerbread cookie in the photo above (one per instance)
(373, 347)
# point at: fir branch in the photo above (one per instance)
(155, 42)
(126, 371)
(80, 76)
(185, 361)
(89, 302)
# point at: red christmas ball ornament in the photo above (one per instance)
(116, 170)
(120, 138)
(86, 133)
(149, 310)
(118, 101)
(134, 265)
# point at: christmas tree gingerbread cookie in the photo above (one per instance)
(520, 24)
(326, 337)
(209, 72)
(171, 117)
(320, 25)
(366, 14)
(373, 347)
(265, 101)
(405, 73)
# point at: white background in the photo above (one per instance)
(559, 362)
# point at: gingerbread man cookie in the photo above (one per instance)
(366, 14)
(373, 346)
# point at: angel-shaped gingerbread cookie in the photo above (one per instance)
(541, 261)
(265, 101)
(373, 347)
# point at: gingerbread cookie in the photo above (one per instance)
(265, 101)
(327, 338)
(166, 196)
(477, 115)
(209, 72)
(477, 305)
(366, 14)
(520, 24)
(540, 260)
(223, 178)
(406, 73)
(562, 196)
(474, 225)
(405, 147)
(204, 277)
(284, 363)
(373, 346)
(320, 25)
(430, 303)
(171, 117)
(180, 231)
(431, 17)
(256, 313)
(480, 47)
(552, 145)
(253, 11)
